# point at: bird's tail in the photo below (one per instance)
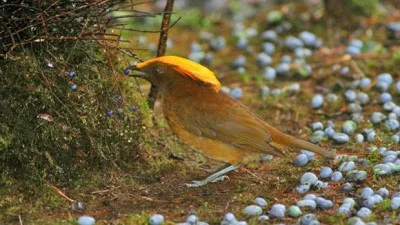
(283, 139)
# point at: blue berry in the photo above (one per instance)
(341, 138)
(356, 43)
(192, 220)
(317, 136)
(309, 39)
(364, 212)
(389, 106)
(268, 48)
(367, 191)
(294, 211)
(377, 117)
(382, 169)
(241, 70)
(230, 218)
(383, 192)
(385, 77)
(126, 71)
(282, 68)
(317, 126)
(368, 202)
(110, 113)
(264, 60)
(196, 56)
(133, 108)
(156, 219)
(303, 188)
(269, 73)
(308, 177)
(336, 176)
(286, 59)
(307, 218)
(356, 175)
(350, 95)
(329, 132)
(371, 136)
(323, 203)
(365, 83)
(195, 47)
(349, 201)
(278, 211)
(385, 97)
(309, 197)
(86, 220)
(269, 35)
(236, 93)
(398, 87)
(310, 155)
(382, 86)
(347, 166)
(363, 98)
(377, 198)
(359, 138)
(345, 70)
(317, 101)
(392, 124)
(252, 210)
(218, 43)
(240, 61)
(395, 203)
(242, 43)
(349, 127)
(74, 87)
(301, 160)
(264, 91)
(351, 50)
(71, 74)
(260, 201)
(293, 43)
(301, 53)
(326, 172)
(261, 219)
(344, 210)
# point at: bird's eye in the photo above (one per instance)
(159, 71)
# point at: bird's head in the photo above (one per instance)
(165, 70)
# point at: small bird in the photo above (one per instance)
(205, 117)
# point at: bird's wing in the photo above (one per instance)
(226, 120)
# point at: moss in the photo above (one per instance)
(363, 7)
(337, 219)
(48, 131)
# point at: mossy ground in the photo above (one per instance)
(124, 168)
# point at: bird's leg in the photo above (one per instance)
(218, 176)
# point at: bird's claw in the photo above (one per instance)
(221, 178)
(196, 183)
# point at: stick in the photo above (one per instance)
(162, 45)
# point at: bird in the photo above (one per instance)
(205, 117)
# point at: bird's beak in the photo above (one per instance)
(134, 67)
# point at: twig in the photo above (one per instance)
(356, 68)
(61, 193)
(162, 45)
(254, 175)
(20, 220)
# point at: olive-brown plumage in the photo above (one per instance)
(214, 123)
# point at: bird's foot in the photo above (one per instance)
(200, 183)
(196, 183)
(218, 176)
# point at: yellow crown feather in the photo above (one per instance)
(187, 68)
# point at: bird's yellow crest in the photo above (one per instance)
(187, 68)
